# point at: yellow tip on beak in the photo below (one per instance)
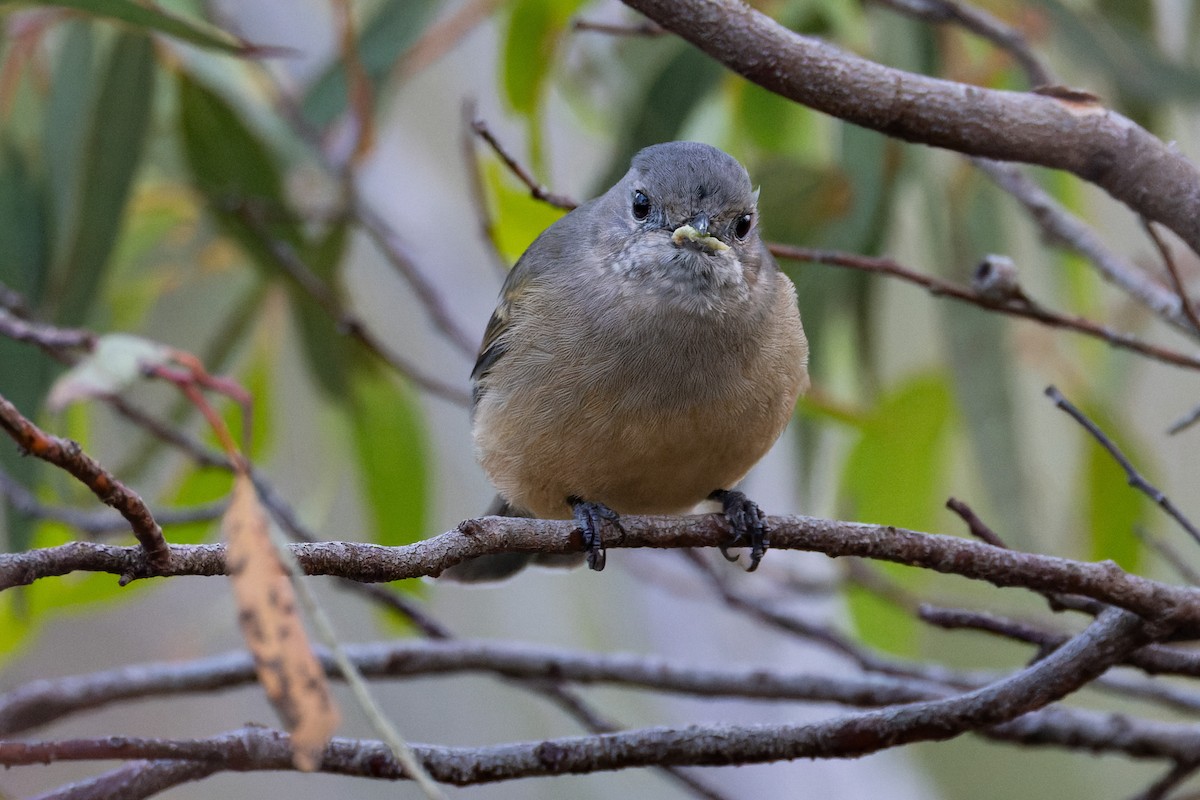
(710, 243)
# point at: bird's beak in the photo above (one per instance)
(696, 234)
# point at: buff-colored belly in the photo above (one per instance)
(648, 462)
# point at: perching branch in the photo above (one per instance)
(1104, 581)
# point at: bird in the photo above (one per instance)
(645, 352)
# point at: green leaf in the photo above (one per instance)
(518, 218)
(149, 18)
(1113, 509)
(390, 443)
(239, 176)
(892, 476)
(534, 28)
(24, 260)
(894, 473)
(383, 39)
(198, 486)
(25, 372)
(111, 151)
(76, 75)
(327, 351)
(15, 622)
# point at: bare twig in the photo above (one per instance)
(1189, 309)
(1169, 554)
(1062, 226)
(979, 529)
(537, 190)
(982, 24)
(645, 28)
(69, 456)
(1174, 777)
(1107, 640)
(47, 337)
(393, 249)
(1185, 422)
(1014, 305)
(1135, 478)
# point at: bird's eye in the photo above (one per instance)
(741, 228)
(641, 205)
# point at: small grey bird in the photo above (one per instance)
(645, 353)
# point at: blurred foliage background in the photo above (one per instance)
(164, 167)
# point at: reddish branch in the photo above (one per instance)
(69, 456)
(1084, 138)
(1016, 305)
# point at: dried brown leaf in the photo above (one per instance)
(287, 668)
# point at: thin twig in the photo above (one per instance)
(478, 192)
(537, 190)
(1015, 305)
(645, 28)
(1135, 478)
(69, 456)
(48, 337)
(1062, 226)
(1180, 772)
(979, 529)
(1169, 554)
(394, 251)
(1185, 422)
(1189, 309)
(1106, 641)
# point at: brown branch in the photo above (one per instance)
(394, 251)
(42, 702)
(1095, 143)
(1152, 659)
(69, 456)
(47, 337)
(537, 190)
(1106, 641)
(1016, 305)
(391, 599)
(644, 28)
(1103, 581)
(134, 781)
(1134, 477)
(1060, 225)
(982, 24)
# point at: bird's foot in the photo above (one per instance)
(748, 523)
(592, 518)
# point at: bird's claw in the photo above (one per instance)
(748, 523)
(592, 518)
